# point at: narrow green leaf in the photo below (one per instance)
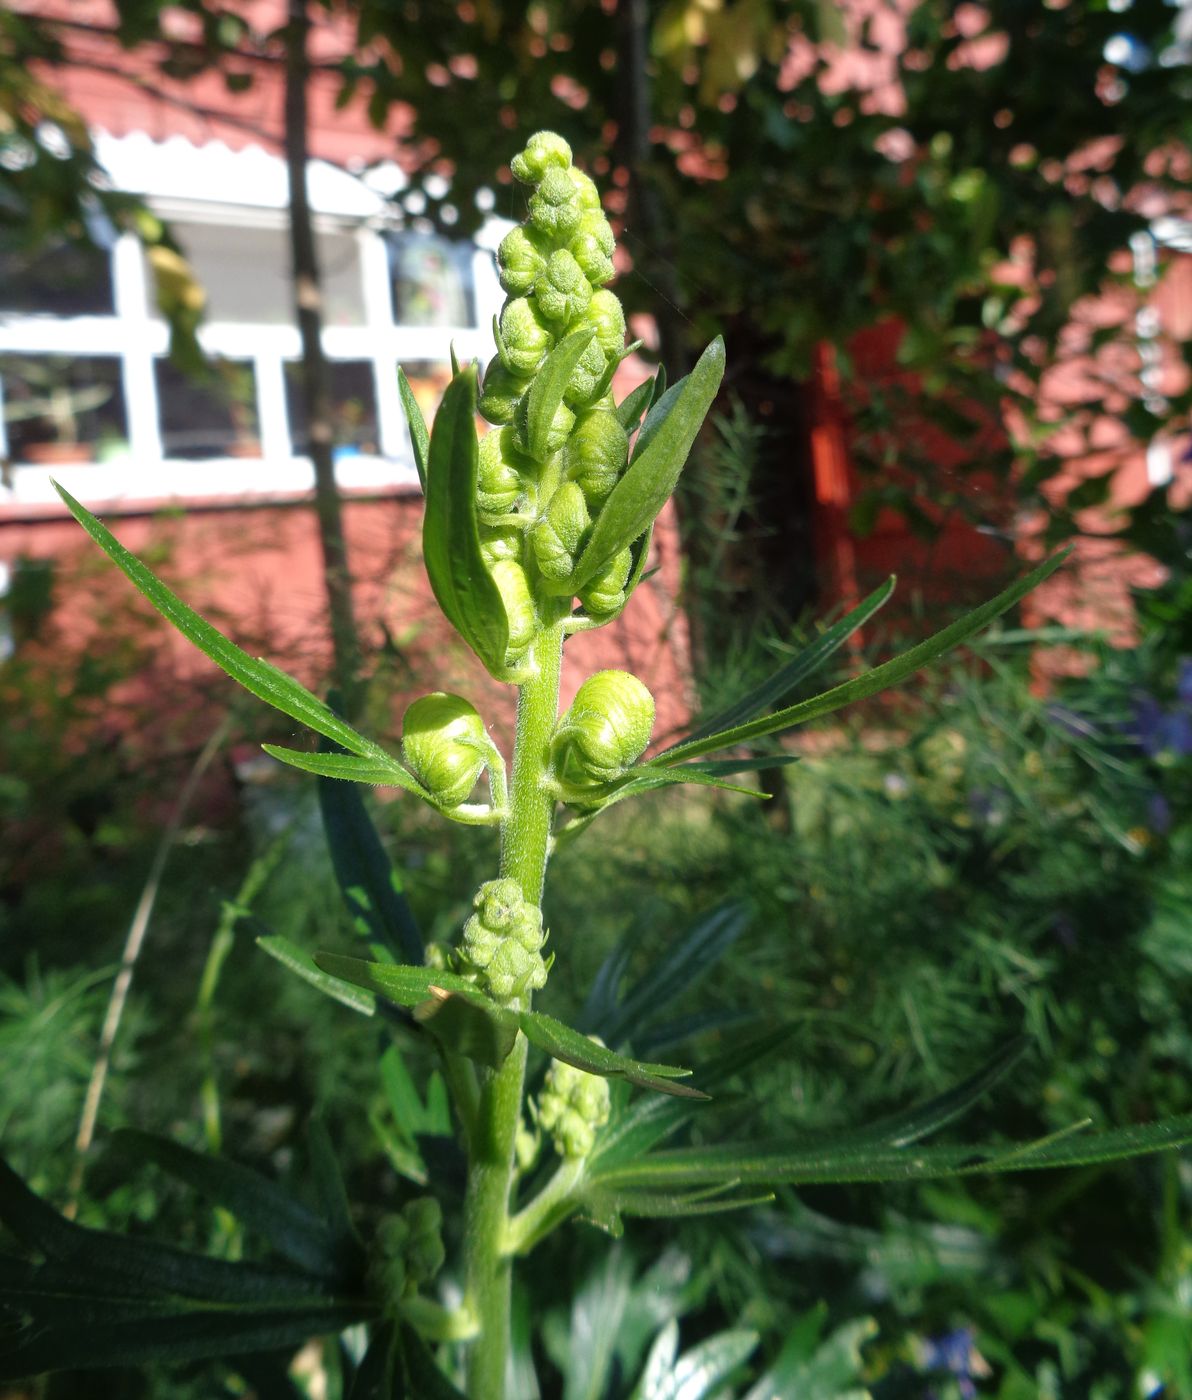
(350, 768)
(367, 879)
(424, 1380)
(681, 965)
(259, 677)
(294, 1231)
(561, 1042)
(398, 983)
(606, 1208)
(605, 382)
(747, 763)
(458, 574)
(880, 678)
(797, 670)
(298, 960)
(547, 386)
(651, 476)
(629, 411)
(333, 1196)
(419, 437)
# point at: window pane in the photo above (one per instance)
(353, 407)
(432, 281)
(65, 279)
(246, 274)
(214, 415)
(63, 409)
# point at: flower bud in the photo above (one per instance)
(595, 455)
(572, 1107)
(554, 207)
(521, 260)
(499, 542)
(586, 193)
(606, 729)
(544, 150)
(502, 472)
(439, 734)
(525, 336)
(502, 392)
(556, 435)
(502, 941)
(592, 247)
(605, 594)
(563, 292)
(586, 376)
(510, 578)
(556, 537)
(607, 315)
(410, 1245)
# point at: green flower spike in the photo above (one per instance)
(605, 731)
(555, 210)
(502, 942)
(563, 292)
(544, 150)
(444, 743)
(521, 259)
(525, 336)
(572, 1107)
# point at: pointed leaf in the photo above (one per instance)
(797, 670)
(348, 767)
(424, 1380)
(259, 677)
(880, 678)
(419, 437)
(294, 1231)
(401, 984)
(561, 1042)
(477, 1029)
(333, 1197)
(629, 411)
(547, 386)
(458, 574)
(300, 961)
(367, 879)
(651, 476)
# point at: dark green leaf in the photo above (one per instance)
(367, 878)
(651, 476)
(374, 1376)
(629, 411)
(419, 437)
(424, 1380)
(561, 1042)
(385, 772)
(300, 961)
(607, 1208)
(333, 1196)
(401, 984)
(458, 574)
(479, 1030)
(547, 386)
(872, 682)
(798, 669)
(294, 1231)
(259, 677)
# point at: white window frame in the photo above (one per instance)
(213, 184)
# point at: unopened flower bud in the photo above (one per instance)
(544, 150)
(439, 738)
(586, 376)
(521, 260)
(572, 1107)
(563, 292)
(555, 539)
(502, 941)
(592, 247)
(605, 594)
(525, 336)
(556, 435)
(502, 471)
(502, 392)
(500, 542)
(510, 578)
(606, 729)
(608, 316)
(595, 455)
(555, 209)
(586, 192)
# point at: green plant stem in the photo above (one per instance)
(549, 1208)
(525, 840)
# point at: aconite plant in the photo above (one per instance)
(535, 531)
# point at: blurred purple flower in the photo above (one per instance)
(1183, 683)
(955, 1353)
(1158, 814)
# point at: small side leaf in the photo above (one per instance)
(298, 960)
(651, 476)
(459, 577)
(561, 1042)
(348, 767)
(629, 411)
(259, 677)
(546, 390)
(419, 436)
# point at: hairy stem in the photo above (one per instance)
(525, 838)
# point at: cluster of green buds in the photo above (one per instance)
(502, 942)
(410, 1248)
(572, 1107)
